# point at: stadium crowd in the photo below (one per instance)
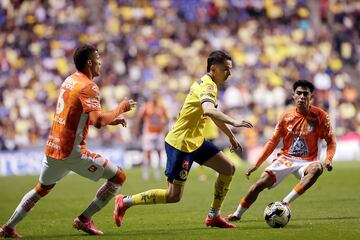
(162, 45)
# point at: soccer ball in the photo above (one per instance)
(277, 214)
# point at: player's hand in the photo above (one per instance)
(243, 124)
(250, 171)
(128, 103)
(328, 165)
(235, 144)
(119, 120)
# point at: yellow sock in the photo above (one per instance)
(153, 196)
(221, 188)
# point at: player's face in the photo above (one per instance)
(222, 71)
(302, 97)
(95, 64)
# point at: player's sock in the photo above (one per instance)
(213, 212)
(243, 206)
(26, 204)
(153, 196)
(295, 193)
(105, 193)
(221, 188)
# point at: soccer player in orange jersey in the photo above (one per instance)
(78, 106)
(154, 118)
(301, 129)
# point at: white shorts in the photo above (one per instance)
(153, 141)
(282, 166)
(89, 165)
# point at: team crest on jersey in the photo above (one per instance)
(210, 88)
(290, 128)
(299, 148)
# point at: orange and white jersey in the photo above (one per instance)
(78, 96)
(154, 117)
(301, 135)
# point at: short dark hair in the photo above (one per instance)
(217, 57)
(303, 83)
(82, 55)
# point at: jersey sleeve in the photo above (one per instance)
(208, 93)
(328, 134)
(273, 141)
(90, 98)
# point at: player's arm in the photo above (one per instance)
(220, 119)
(235, 144)
(102, 118)
(330, 142)
(268, 148)
(216, 115)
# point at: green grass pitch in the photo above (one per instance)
(329, 210)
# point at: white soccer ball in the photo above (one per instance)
(277, 214)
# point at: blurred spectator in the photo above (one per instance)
(160, 45)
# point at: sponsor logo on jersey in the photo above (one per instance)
(53, 145)
(69, 84)
(59, 120)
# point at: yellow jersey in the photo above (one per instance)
(187, 135)
(211, 131)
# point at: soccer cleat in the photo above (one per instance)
(232, 218)
(218, 222)
(88, 227)
(119, 210)
(7, 232)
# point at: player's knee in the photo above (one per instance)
(119, 178)
(230, 170)
(43, 190)
(316, 169)
(258, 187)
(173, 198)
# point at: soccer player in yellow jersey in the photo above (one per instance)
(185, 144)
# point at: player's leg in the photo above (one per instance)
(154, 196)
(94, 166)
(177, 166)
(308, 174)
(278, 170)
(51, 172)
(265, 181)
(226, 169)
(216, 160)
